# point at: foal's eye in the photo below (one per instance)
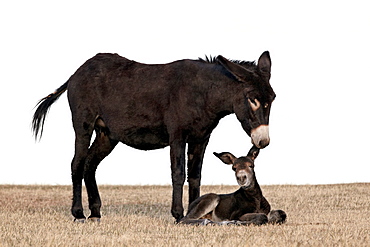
(234, 168)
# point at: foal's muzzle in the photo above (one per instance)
(243, 179)
(260, 136)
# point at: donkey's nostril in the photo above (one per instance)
(260, 136)
(263, 143)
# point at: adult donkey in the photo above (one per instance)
(153, 106)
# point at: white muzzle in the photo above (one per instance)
(260, 136)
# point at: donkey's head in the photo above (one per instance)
(252, 103)
(243, 166)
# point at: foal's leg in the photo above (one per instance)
(195, 161)
(253, 219)
(199, 208)
(100, 148)
(276, 217)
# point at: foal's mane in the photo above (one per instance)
(210, 59)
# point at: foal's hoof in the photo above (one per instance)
(94, 219)
(82, 220)
(236, 223)
(277, 217)
(254, 219)
(206, 222)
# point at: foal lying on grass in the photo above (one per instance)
(245, 206)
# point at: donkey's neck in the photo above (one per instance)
(222, 95)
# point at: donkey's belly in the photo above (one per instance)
(145, 138)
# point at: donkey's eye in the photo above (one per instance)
(234, 168)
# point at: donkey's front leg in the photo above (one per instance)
(177, 152)
(195, 161)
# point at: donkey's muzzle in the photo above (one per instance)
(260, 136)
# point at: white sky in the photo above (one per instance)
(319, 124)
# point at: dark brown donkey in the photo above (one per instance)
(154, 106)
(245, 206)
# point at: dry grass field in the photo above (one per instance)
(318, 215)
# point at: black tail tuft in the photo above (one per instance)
(43, 108)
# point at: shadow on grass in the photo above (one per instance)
(149, 210)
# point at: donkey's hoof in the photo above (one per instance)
(82, 220)
(94, 219)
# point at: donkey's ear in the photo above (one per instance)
(240, 73)
(253, 152)
(264, 62)
(226, 157)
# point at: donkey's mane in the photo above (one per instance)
(210, 59)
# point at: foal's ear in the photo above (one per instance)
(226, 157)
(253, 152)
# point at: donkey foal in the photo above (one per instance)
(245, 206)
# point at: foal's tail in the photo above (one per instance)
(43, 108)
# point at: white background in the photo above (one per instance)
(319, 124)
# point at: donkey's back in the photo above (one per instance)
(138, 102)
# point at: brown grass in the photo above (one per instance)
(318, 215)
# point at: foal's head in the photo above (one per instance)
(243, 166)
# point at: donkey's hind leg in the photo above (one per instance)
(101, 147)
(199, 208)
(77, 167)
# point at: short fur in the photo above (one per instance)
(154, 106)
(245, 206)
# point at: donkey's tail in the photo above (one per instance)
(43, 108)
